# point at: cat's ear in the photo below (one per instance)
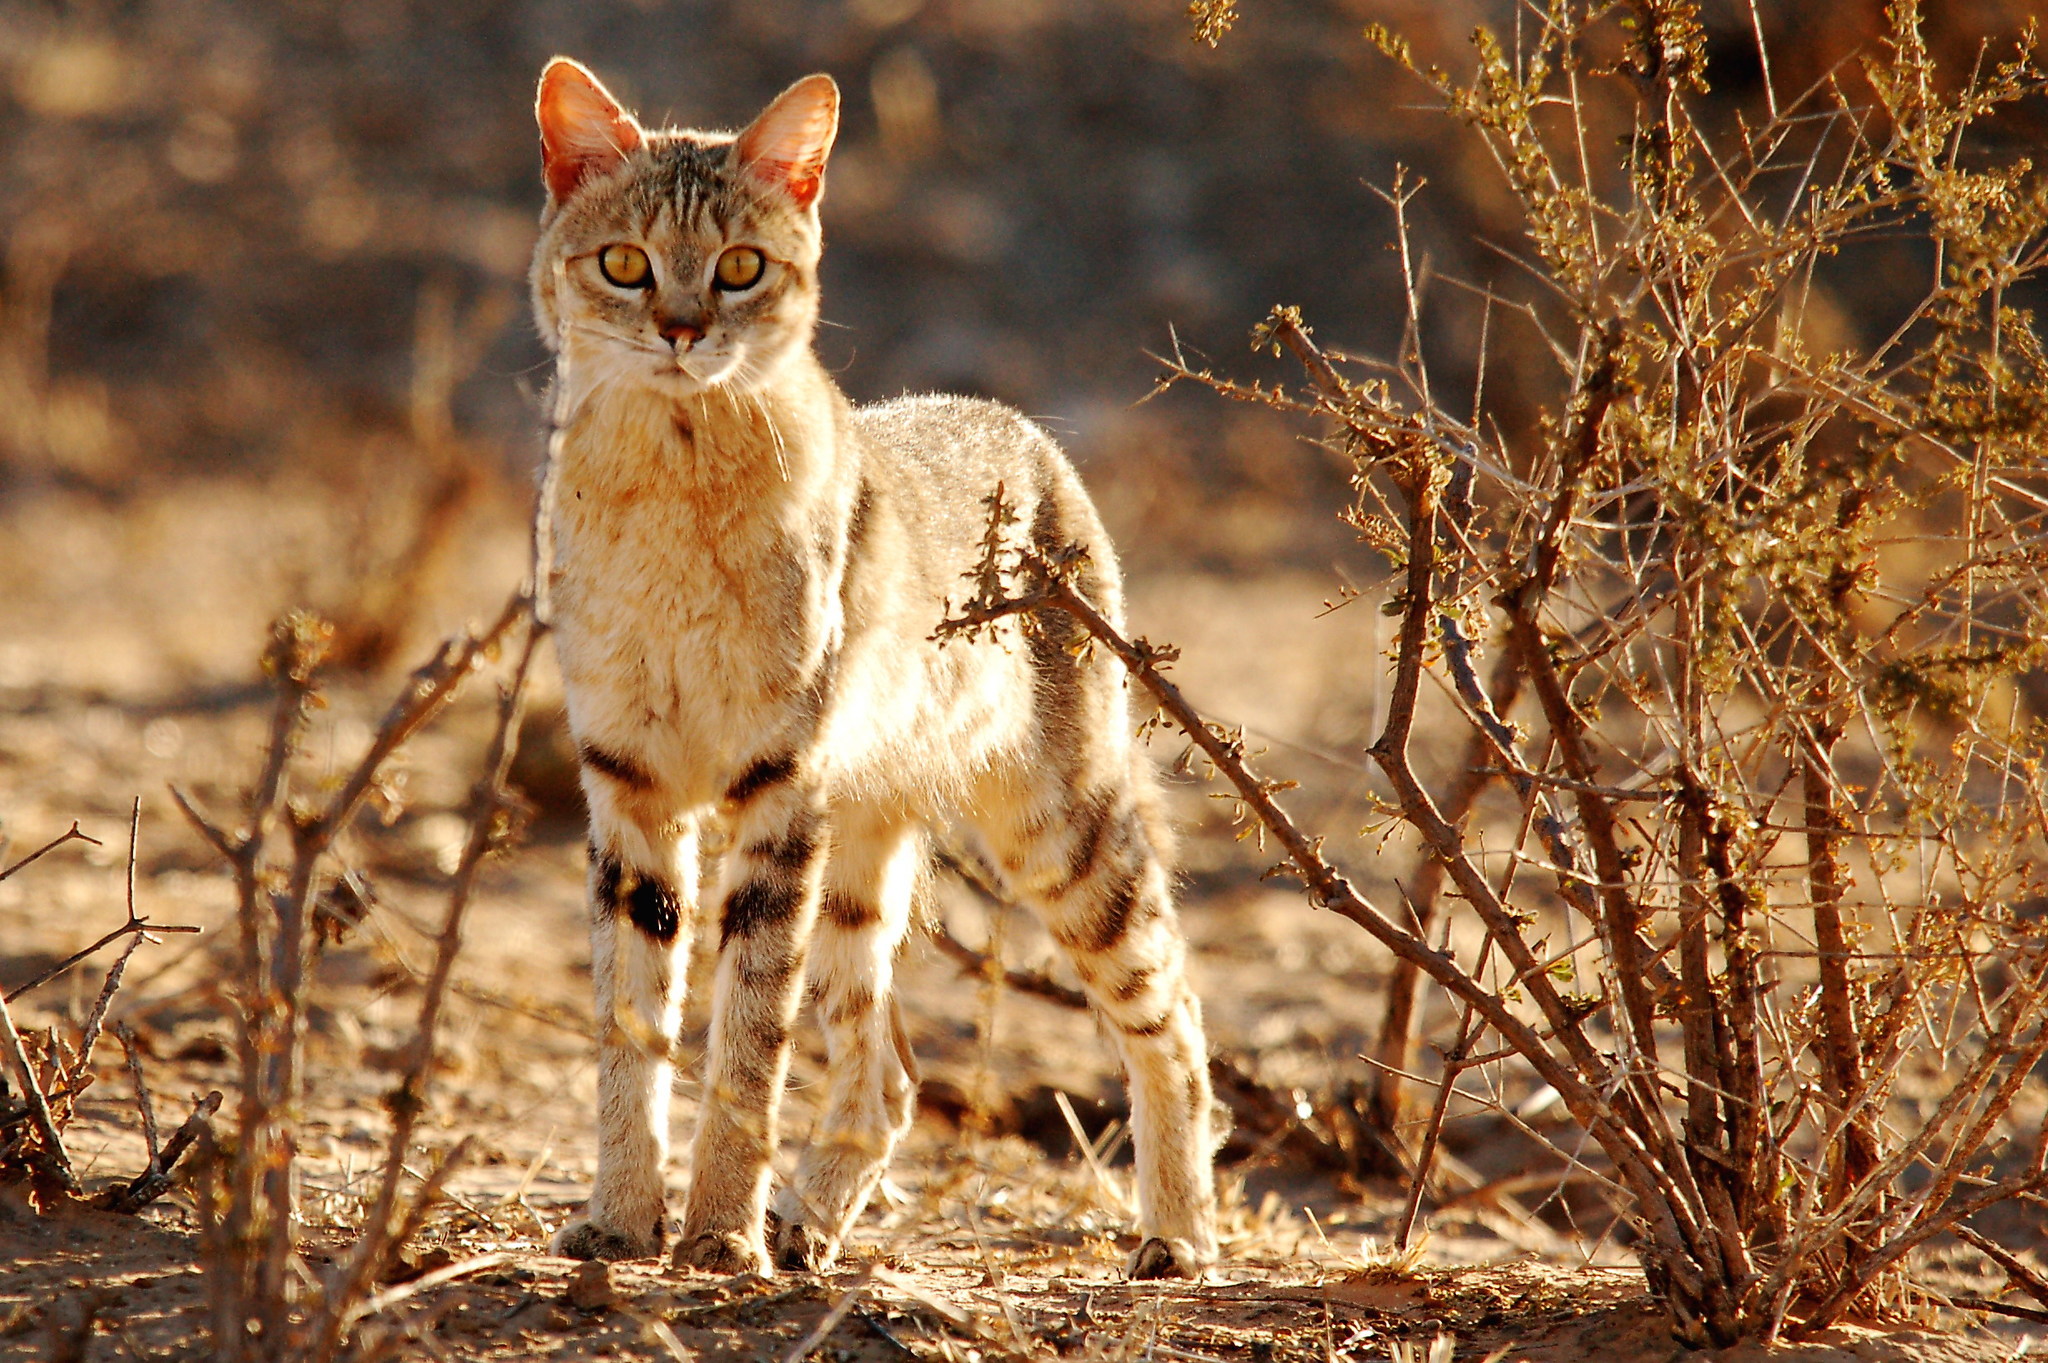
(583, 131)
(785, 148)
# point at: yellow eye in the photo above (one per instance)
(740, 268)
(625, 266)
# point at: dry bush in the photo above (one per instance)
(1765, 847)
(266, 1303)
(53, 1072)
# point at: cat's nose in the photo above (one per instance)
(679, 332)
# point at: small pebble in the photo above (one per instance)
(590, 1288)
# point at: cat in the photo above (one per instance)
(748, 572)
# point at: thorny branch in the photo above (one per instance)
(136, 925)
(1780, 612)
(1047, 585)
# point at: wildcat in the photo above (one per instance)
(748, 572)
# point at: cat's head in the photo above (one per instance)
(678, 260)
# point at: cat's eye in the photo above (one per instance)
(740, 267)
(625, 266)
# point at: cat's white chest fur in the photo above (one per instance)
(692, 614)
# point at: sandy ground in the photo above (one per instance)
(126, 664)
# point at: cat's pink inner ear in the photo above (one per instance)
(583, 131)
(785, 148)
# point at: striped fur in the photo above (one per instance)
(748, 574)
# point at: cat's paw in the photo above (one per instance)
(1161, 1258)
(728, 1253)
(801, 1248)
(586, 1239)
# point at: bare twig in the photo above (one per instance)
(2023, 1277)
(2000, 1308)
(143, 1106)
(156, 1180)
(1455, 1062)
(1032, 982)
(428, 1281)
(138, 927)
(72, 834)
(489, 799)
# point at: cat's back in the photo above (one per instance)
(944, 455)
(951, 438)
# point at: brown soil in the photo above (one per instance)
(130, 667)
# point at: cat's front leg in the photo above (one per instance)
(643, 873)
(870, 884)
(770, 901)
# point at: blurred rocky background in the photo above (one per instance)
(244, 236)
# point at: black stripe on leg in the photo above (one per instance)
(769, 771)
(1133, 985)
(793, 851)
(604, 892)
(654, 909)
(649, 902)
(1090, 843)
(850, 912)
(618, 767)
(755, 905)
(1153, 1028)
(1111, 920)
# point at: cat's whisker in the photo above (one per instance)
(621, 337)
(774, 433)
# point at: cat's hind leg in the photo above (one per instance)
(870, 883)
(643, 877)
(769, 903)
(1086, 856)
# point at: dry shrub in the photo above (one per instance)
(53, 1072)
(1770, 600)
(266, 1303)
